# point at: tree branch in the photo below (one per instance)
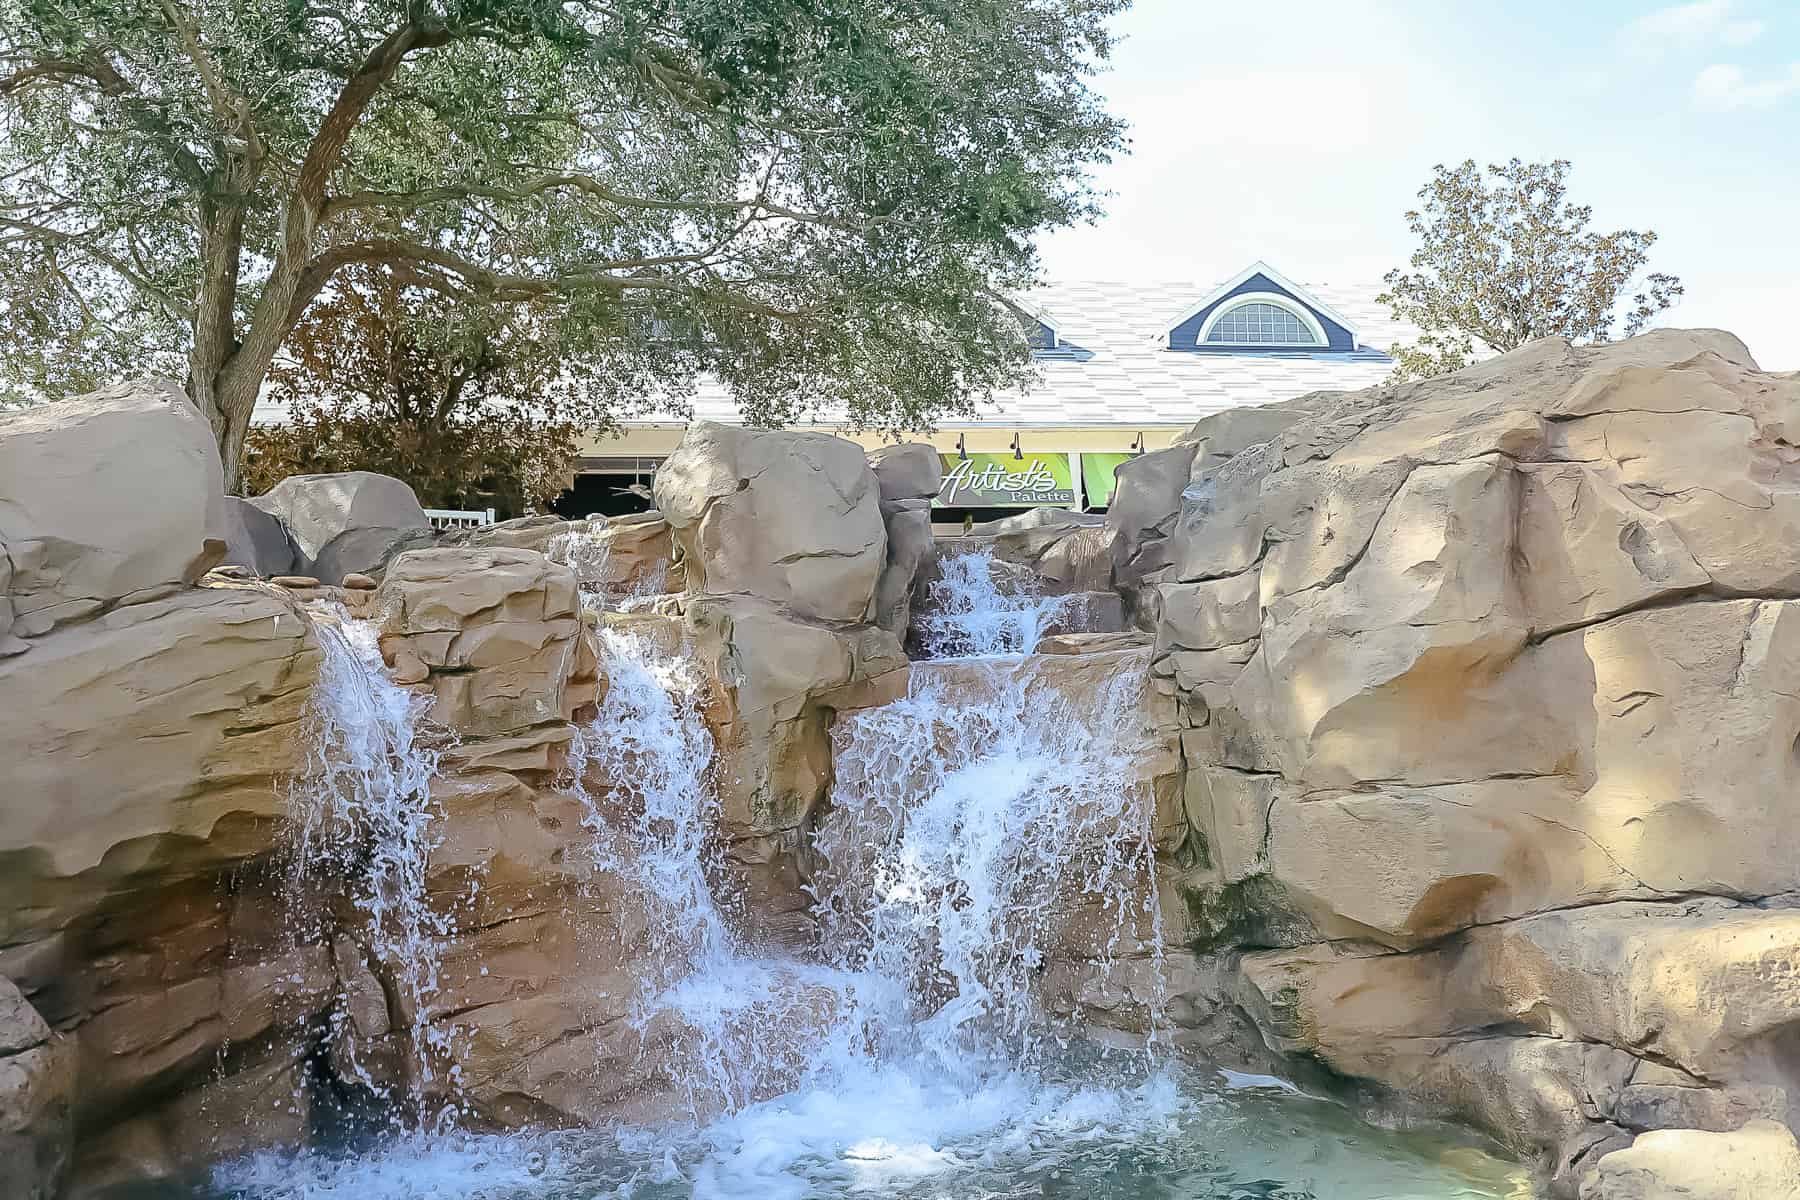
(83, 243)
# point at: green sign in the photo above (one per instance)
(1002, 481)
(1097, 477)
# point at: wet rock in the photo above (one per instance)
(1067, 551)
(37, 1094)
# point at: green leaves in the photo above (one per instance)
(1503, 258)
(826, 194)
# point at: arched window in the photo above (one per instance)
(1261, 320)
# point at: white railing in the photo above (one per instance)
(455, 518)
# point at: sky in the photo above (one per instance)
(1300, 133)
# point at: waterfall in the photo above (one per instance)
(969, 614)
(974, 824)
(652, 824)
(980, 830)
(969, 820)
(363, 814)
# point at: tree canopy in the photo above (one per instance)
(813, 200)
(466, 404)
(1504, 258)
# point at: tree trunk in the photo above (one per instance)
(227, 405)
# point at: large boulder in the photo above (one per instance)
(256, 540)
(911, 549)
(496, 635)
(1474, 682)
(1761, 1161)
(105, 498)
(37, 1109)
(148, 742)
(793, 518)
(909, 471)
(351, 522)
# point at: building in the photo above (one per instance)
(1124, 368)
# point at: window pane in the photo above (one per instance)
(1260, 324)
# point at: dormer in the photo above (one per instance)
(1043, 334)
(1041, 329)
(1259, 310)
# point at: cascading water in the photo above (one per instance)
(969, 614)
(969, 821)
(983, 824)
(363, 814)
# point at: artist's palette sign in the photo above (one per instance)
(1001, 481)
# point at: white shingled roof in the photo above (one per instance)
(1113, 370)
(1126, 376)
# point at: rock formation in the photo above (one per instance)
(495, 634)
(793, 518)
(1480, 692)
(37, 1091)
(68, 549)
(350, 522)
(1470, 794)
(783, 544)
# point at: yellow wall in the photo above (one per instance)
(657, 441)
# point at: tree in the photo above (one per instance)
(1504, 264)
(812, 200)
(466, 405)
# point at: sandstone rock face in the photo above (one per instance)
(149, 751)
(1146, 501)
(911, 471)
(352, 521)
(910, 552)
(1476, 683)
(37, 1094)
(495, 634)
(1761, 1160)
(778, 681)
(783, 543)
(199, 971)
(187, 708)
(793, 518)
(69, 547)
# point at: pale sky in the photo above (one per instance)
(1300, 132)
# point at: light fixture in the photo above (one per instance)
(962, 450)
(1137, 447)
(1018, 450)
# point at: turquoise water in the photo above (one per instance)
(1177, 1133)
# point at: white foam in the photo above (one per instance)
(363, 814)
(969, 616)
